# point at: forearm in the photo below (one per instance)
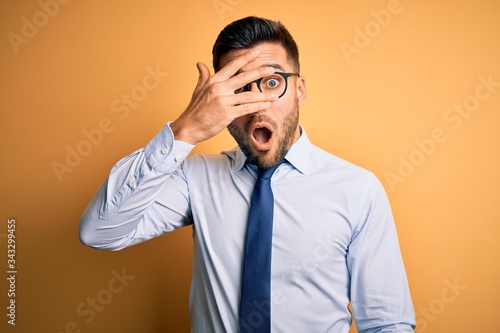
(126, 209)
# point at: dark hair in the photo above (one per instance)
(251, 31)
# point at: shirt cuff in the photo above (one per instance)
(164, 154)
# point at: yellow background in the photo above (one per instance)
(369, 107)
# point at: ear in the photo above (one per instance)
(301, 90)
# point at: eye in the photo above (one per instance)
(242, 89)
(272, 82)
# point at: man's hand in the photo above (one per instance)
(214, 105)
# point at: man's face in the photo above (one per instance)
(266, 136)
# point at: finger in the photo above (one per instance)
(235, 65)
(248, 108)
(246, 77)
(251, 97)
(203, 74)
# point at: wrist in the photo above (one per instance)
(181, 134)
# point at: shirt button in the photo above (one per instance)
(177, 158)
(164, 151)
(131, 184)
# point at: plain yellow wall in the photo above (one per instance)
(407, 89)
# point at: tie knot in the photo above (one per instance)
(267, 173)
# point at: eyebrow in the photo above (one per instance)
(277, 66)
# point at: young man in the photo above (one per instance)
(331, 239)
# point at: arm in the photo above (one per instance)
(146, 193)
(129, 206)
(380, 294)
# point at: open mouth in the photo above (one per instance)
(262, 137)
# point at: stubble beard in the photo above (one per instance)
(265, 159)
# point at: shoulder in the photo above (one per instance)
(324, 161)
(223, 161)
(342, 174)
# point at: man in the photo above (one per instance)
(332, 239)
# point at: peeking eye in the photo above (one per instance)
(272, 83)
(246, 87)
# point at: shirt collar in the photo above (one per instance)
(297, 156)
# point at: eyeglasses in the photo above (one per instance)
(276, 83)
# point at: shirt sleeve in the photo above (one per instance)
(145, 195)
(380, 296)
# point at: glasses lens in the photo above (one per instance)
(274, 84)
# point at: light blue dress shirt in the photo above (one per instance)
(334, 238)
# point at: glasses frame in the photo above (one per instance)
(247, 86)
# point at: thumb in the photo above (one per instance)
(204, 74)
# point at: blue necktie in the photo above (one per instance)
(255, 304)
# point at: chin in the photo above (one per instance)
(263, 158)
(266, 159)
